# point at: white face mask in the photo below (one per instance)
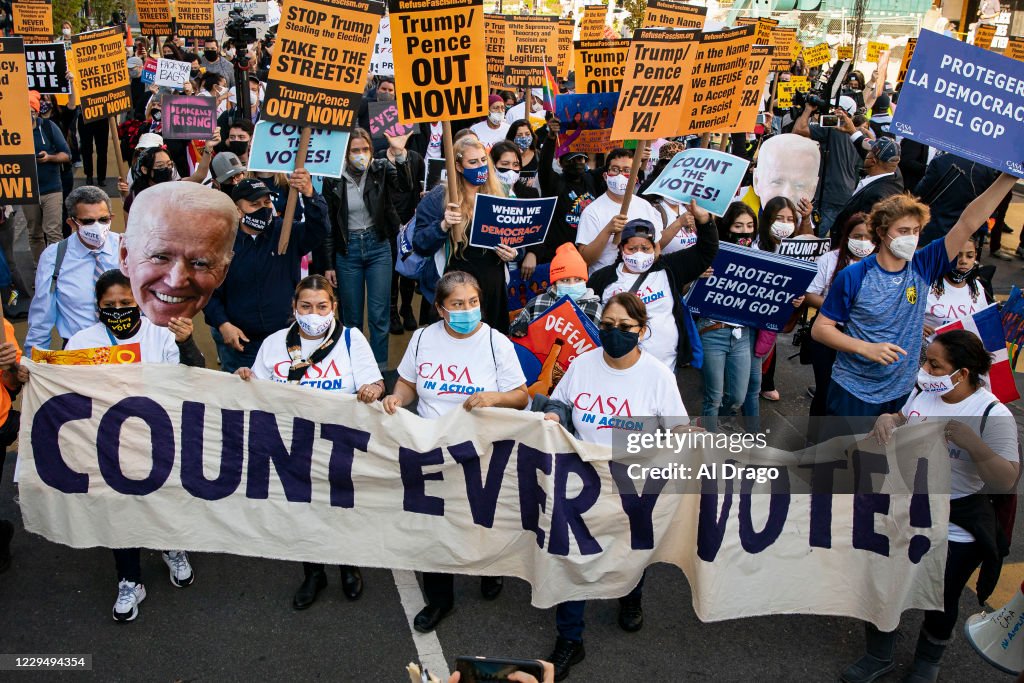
(95, 235)
(671, 202)
(617, 184)
(639, 262)
(314, 324)
(66, 32)
(861, 248)
(495, 118)
(508, 177)
(781, 231)
(230, 53)
(930, 384)
(904, 247)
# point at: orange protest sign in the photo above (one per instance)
(712, 101)
(592, 23)
(438, 71)
(755, 77)
(660, 63)
(875, 51)
(154, 16)
(320, 63)
(765, 26)
(817, 55)
(101, 73)
(531, 41)
(786, 48)
(565, 47)
(844, 52)
(33, 20)
(600, 65)
(494, 32)
(101, 355)
(195, 18)
(983, 35)
(674, 14)
(18, 180)
(1015, 48)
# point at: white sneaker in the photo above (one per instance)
(181, 570)
(129, 595)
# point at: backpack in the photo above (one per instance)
(410, 263)
(1004, 504)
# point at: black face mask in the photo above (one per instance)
(260, 219)
(211, 55)
(956, 277)
(162, 175)
(194, 74)
(227, 189)
(122, 322)
(157, 114)
(573, 171)
(238, 147)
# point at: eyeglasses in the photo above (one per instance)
(615, 170)
(103, 220)
(621, 327)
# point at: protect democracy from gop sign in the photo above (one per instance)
(512, 222)
(110, 453)
(965, 100)
(750, 287)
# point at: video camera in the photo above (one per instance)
(237, 28)
(825, 95)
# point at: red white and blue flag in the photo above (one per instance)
(987, 324)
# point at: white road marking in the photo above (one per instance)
(428, 647)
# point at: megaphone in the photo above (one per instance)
(999, 636)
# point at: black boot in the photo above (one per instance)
(631, 613)
(927, 659)
(408, 319)
(6, 534)
(351, 582)
(490, 587)
(396, 322)
(877, 660)
(566, 654)
(429, 617)
(315, 581)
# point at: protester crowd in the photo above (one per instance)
(907, 257)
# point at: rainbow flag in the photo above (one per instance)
(550, 89)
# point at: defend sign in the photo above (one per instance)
(439, 73)
(18, 180)
(320, 64)
(101, 73)
(967, 100)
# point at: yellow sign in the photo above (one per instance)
(713, 100)
(983, 35)
(531, 41)
(100, 355)
(844, 52)
(18, 180)
(817, 55)
(33, 20)
(875, 50)
(154, 16)
(784, 94)
(763, 35)
(801, 83)
(600, 65)
(1015, 48)
(786, 48)
(674, 14)
(905, 63)
(759, 65)
(195, 18)
(101, 73)
(565, 49)
(494, 32)
(592, 22)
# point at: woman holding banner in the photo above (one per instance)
(658, 280)
(982, 439)
(465, 356)
(441, 225)
(618, 373)
(318, 353)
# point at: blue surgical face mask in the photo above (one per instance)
(475, 176)
(464, 322)
(573, 291)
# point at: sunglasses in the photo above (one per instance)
(105, 220)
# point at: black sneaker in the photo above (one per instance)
(408, 319)
(631, 614)
(6, 534)
(566, 654)
(396, 323)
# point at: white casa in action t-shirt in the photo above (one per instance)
(157, 343)
(489, 136)
(955, 302)
(604, 399)
(600, 212)
(662, 340)
(1000, 435)
(345, 369)
(447, 370)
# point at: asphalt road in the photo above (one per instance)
(236, 621)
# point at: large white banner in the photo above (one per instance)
(164, 456)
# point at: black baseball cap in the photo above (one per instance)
(569, 157)
(250, 189)
(638, 227)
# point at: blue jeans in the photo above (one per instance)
(569, 615)
(231, 359)
(365, 273)
(726, 369)
(752, 402)
(829, 213)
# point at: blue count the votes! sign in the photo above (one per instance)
(750, 287)
(964, 100)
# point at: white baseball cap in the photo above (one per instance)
(150, 140)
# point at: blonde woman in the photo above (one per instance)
(443, 225)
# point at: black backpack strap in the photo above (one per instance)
(62, 250)
(984, 416)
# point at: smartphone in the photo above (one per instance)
(829, 121)
(761, 118)
(473, 669)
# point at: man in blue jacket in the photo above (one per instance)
(255, 299)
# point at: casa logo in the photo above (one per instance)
(1015, 167)
(904, 127)
(912, 294)
(614, 412)
(447, 379)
